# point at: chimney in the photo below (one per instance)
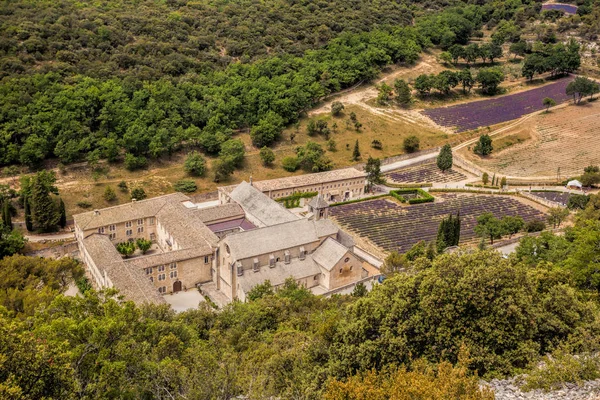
(251, 180)
(133, 200)
(96, 212)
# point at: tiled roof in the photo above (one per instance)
(130, 281)
(277, 275)
(126, 212)
(216, 213)
(329, 253)
(318, 202)
(274, 238)
(186, 227)
(242, 223)
(260, 208)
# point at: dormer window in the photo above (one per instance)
(302, 253)
(240, 269)
(287, 257)
(255, 265)
(271, 261)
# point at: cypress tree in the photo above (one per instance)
(63, 214)
(444, 159)
(28, 221)
(456, 229)
(43, 208)
(6, 217)
(356, 152)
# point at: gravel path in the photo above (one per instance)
(507, 389)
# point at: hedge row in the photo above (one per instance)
(425, 197)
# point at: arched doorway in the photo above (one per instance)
(176, 286)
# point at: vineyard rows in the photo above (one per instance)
(557, 197)
(468, 116)
(392, 227)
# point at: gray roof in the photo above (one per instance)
(186, 227)
(220, 212)
(260, 208)
(274, 238)
(329, 253)
(277, 275)
(131, 282)
(318, 202)
(126, 212)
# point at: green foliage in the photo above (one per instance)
(293, 200)
(82, 204)
(11, 241)
(267, 130)
(6, 215)
(548, 102)
(557, 59)
(485, 178)
(373, 170)
(578, 201)
(489, 227)
(331, 145)
(143, 244)
(336, 108)
(83, 284)
(484, 145)
(311, 157)
(185, 186)
(126, 248)
(133, 163)
(385, 91)
(411, 144)
(376, 144)
(223, 168)
(261, 290)
(267, 156)
(535, 225)
(62, 221)
(421, 196)
(557, 215)
(123, 186)
(195, 164)
(360, 290)
(290, 163)
(356, 152)
(489, 79)
(448, 233)
(560, 368)
(403, 92)
(444, 159)
(138, 193)
(512, 224)
(45, 213)
(233, 151)
(582, 86)
(109, 194)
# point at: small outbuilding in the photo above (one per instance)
(574, 184)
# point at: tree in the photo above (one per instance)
(133, 163)
(268, 130)
(471, 53)
(62, 222)
(423, 84)
(234, 151)
(260, 291)
(485, 178)
(456, 52)
(126, 248)
(373, 170)
(557, 215)
(6, 215)
(44, 210)
(360, 290)
(331, 145)
(518, 48)
(444, 159)
(109, 194)
(143, 244)
(28, 218)
(445, 81)
(290, 163)
(385, 91)
(267, 156)
(122, 186)
(484, 145)
(489, 226)
(448, 233)
(548, 102)
(11, 241)
(489, 79)
(494, 52)
(445, 58)
(503, 182)
(336, 108)
(138, 193)
(356, 152)
(223, 168)
(411, 144)
(580, 87)
(185, 186)
(311, 157)
(403, 93)
(466, 80)
(195, 164)
(512, 224)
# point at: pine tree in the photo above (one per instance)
(6, 217)
(28, 221)
(444, 159)
(63, 214)
(356, 152)
(44, 209)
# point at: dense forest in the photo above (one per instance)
(431, 330)
(97, 80)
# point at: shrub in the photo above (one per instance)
(83, 284)
(411, 144)
(195, 164)
(126, 248)
(561, 368)
(578, 201)
(109, 194)
(138, 193)
(331, 145)
(535, 226)
(123, 186)
(376, 144)
(143, 244)
(336, 108)
(267, 156)
(484, 146)
(233, 150)
(133, 163)
(223, 168)
(185, 186)
(84, 204)
(290, 163)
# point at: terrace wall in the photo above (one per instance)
(541, 200)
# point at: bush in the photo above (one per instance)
(185, 186)
(561, 368)
(195, 164)
(267, 156)
(123, 186)
(84, 204)
(109, 194)
(336, 108)
(290, 163)
(138, 193)
(376, 144)
(223, 168)
(578, 201)
(411, 144)
(424, 197)
(535, 226)
(143, 244)
(233, 150)
(133, 163)
(83, 284)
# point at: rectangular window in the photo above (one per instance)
(173, 274)
(151, 279)
(205, 259)
(161, 268)
(151, 221)
(128, 224)
(129, 232)
(140, 229)
(162, 290)
(173, 266)
(161, 277)
(148, 271)
(140, 222)
(112, 236)
(112, 228)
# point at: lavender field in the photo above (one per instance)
(567, 8)
(468, 116)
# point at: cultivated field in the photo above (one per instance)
(557, 197)
(566, 139)
(566, 8)
(390, 226)
(468, 116)
(425, 173)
